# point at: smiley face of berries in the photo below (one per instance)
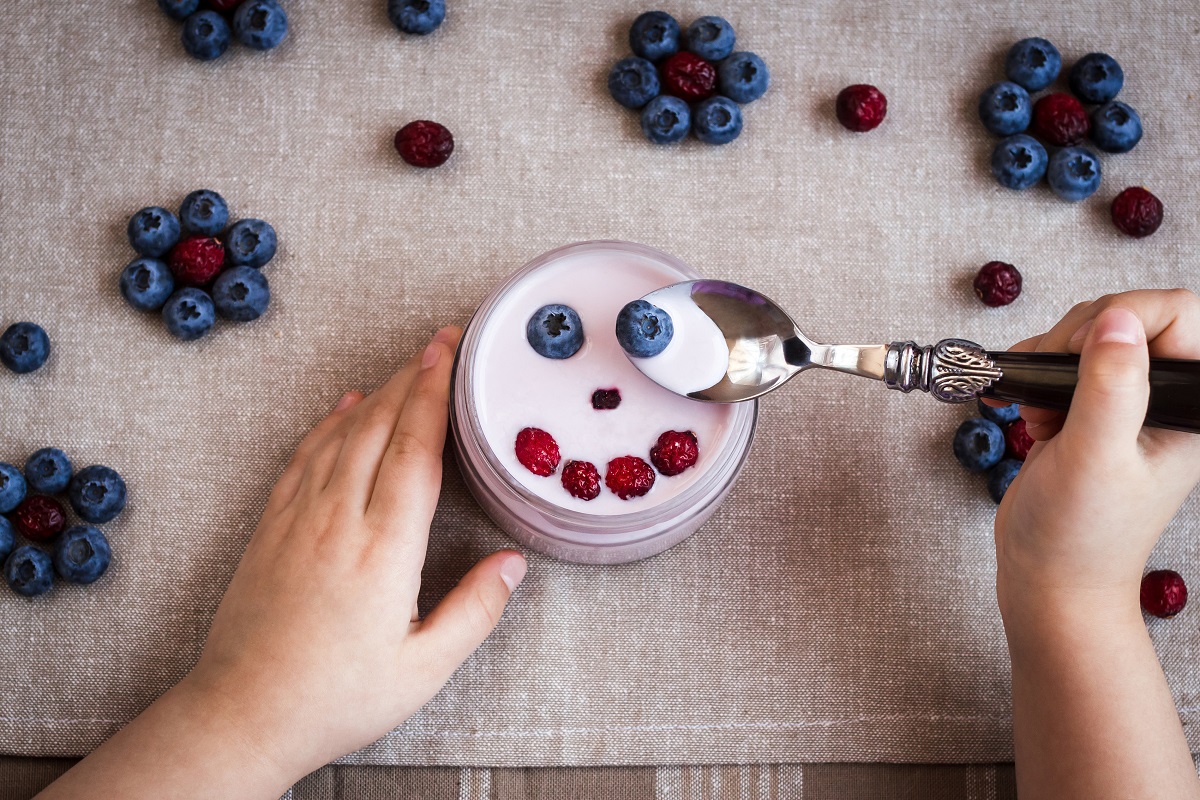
(424, 143)
(861, 107)
(997, 283)
(1136, 212)
(1163, 593)
(581, 479)
(537, 451)
(555, 331)
(674, 452)
(629, 476)
(39, 518)
(196, 260)
(689, 77)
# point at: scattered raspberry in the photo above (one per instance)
(606, 399)
(1137, 212)
(629, 476)
(537, 451)
(226, 7)
(997, 283)
(424, 144)
(581, 479)
(39, 518)
(1060, 120)
(1018, 440)
(675, 452)
(861, 107)
(689, 77)
(1164, 594)
(196, 260)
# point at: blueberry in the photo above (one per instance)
(1001, 416)
(633, 82)
(48, 471)
(1116, 128)
(179, 9)
(204, 212)
(644, 329)
(666, 119)
(251, 243)
(205, 36)
(97, 494)
(260, 24)
(1074, 173)
(1004, 108)
(24, 347)
(189, 313)
(1033, 63)
(555, 331)
(7, 538)
(654, 35)
(1019, 161)
(146, 283)
(1001, 476)
(1096, 78)
(81, 554)
(29, 571)
(416, 16)
(743, 77)
(711, 38)
(12, 488)
(717, 120)
(241, 294)
(153, 231)
(978, 444)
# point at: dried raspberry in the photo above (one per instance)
(1164, 594)
(424, 144)
(537, 451)
(1018, 440)
(629, 476)
(997, 283)
(39, 518)
(606, 399)
(1137, 212)
(689, 77)
(861, 107)
(196, 260)
(675, 452)
(581, 479)
(1060, 119)
(226, 7)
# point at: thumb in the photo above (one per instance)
(469, 613)
(1114, 381)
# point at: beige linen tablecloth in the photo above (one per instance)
(839, 607)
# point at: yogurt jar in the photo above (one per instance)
(501, 385)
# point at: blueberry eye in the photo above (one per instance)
(555, 331)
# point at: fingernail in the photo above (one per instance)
(445, 335)
(345, 402)
(512, 571)
(1119, 325)
(431, 356)
(1081, 334)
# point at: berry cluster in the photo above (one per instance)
(199, 251)
(24, 347)
(207, 29)
(995, 443)
(700, 87)
(28, 506)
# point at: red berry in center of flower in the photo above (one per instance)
(581, 479)
(689, 77)
(39, 518)
(424, 144)
(1018, 440)
(629, 476)
(1059, 118)
(196, 260)
(861, 107)
(1164, 594)
(674, 452)
(537, 451)
(997, 283)
(1137, 212)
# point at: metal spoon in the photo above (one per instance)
(766, 349)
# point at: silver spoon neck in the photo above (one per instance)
(866, 361)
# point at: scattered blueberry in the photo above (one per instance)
(81, 554)
(24, 347)
(1074, 173)
(29, 571)
(12, 488)
(743, 77)
(633, 82)
(204, 212)
(711, 38)
(7, 538)
(643, 329)
(1019, 161)
(416, 16)
(1001, 416)
(97, 493)
(189, 313)
(241, 294)
(1000, 477)
(153, 231)
(48, 471)
(1116, 127)
(250, 243)
(555, 331)
(260, 24)
(1096, 78)
(205, 36)
(179, 9)
(1033, 63)
(1004, 108)
(146, 283)
(717, 120)
(654, 35)
(978, 444)
(666, 119)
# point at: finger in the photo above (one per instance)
(1038, 416)
(1045, 431)
(288, 483)
(470, 612)
(1170, 318)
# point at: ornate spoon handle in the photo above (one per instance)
(956, 370)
